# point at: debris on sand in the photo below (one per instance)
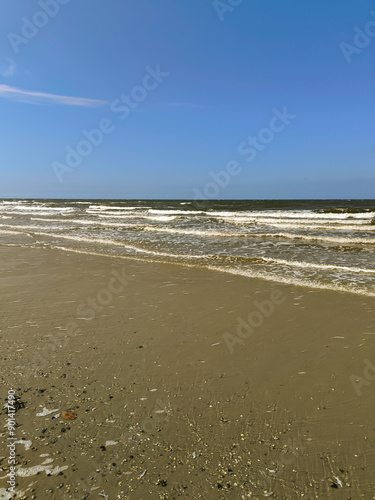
(45, 412)
(69, 415)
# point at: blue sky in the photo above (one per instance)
(224, 70)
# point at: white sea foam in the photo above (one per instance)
(33, 471)
(290, 236)
(292, 215)
(5, 495)
(8, 495)
(309, 283)
(26, 443)
(9, 231)
(291, 222)
(13, 226)
(111, 214)
(87, 222)
(114, 243)
(248, 273)
(123, 216)
(295, 236)
(29, 208)
(18, 202)
(110, 207)
(162, 218)
(319, 227)
(323, 239)
(309, 242)
(194, 232)
(175, 212)
(313, 265)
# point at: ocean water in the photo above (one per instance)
(320, 244)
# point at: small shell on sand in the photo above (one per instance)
(69, 415)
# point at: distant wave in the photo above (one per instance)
(165, 218)
(8, 231)
(162, 218)
(195, 232)
(305, 222)
(16, 227)
(291, 215)
(318, 227)
(89, 222)
(308, 243)
(293, 236)
(175, 212)
(110, 207)
(29, 208)
(122, 216)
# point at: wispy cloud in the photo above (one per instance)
(31, 97)
(9, 69)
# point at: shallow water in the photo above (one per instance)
(315, 243)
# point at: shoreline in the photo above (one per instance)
(310, 244)
(283, 399)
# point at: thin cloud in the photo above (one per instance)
(10, 69)
(31, 97)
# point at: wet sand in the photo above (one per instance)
(173, 397)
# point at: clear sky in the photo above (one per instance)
(217, 74)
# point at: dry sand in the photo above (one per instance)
(164, 408)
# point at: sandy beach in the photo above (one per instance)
(184, 382)
(187, 250)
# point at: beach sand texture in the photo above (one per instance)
(172, 396)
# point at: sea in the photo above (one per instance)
(318, 244)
